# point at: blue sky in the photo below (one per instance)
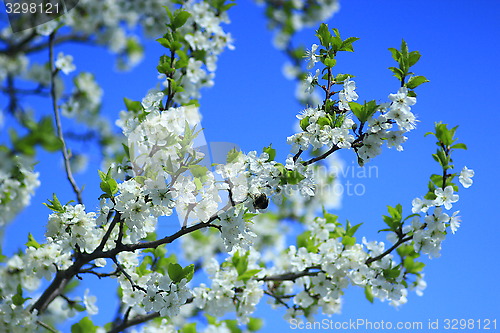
(253, 105)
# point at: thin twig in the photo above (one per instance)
(400, 241)
(277, 298)
(57, 117)
(290, 276)
(129, 278)
(46, 326)
(134, 321)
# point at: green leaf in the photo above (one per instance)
(164, 42)
(304, 240)
(459, 146)
(248, 274)
(365, 111)
(347, 44)
(188, 272)
(357, 109)
(183, 59)
(330, 62)
(391, 273)
(84, 326)
(55, 204)
(348, 240)
(369, 294)
(398, 73)
(169, 13)
(396, 212)
(323, 34)
(340, 78)
(189, 328)
(232, 324)
(330, 218)
(32, 242)
(322, 121)
(175, 272)
(132, 105)
(18, 298)
(180, 19)
(396, 55)
(412, 266)
(78, 307)
(304, 122)
(227, 6)
(232, 155)
(413, 58)
(293, 177)
(71, 286)
(352, 230)
(390, 222)
(415, 81)
(404, 49)
(109, 187)
(242, 265)
(198, 171)
(336, 43)
(271, 152)
(406, 250)
(437, 180)
(255, 324)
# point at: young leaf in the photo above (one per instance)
(175, 272)
(55, 204)
(413, 58)
(323, 33)
(415, 81)
(188, 272)
(132, 105)
(255, 324)
(85, 325)
(369, 294)
(271, 152)
(232, 155)
(32, 242)
(180, 19)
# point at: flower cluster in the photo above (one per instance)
(317, 134)
(379, 129)
(65, 63)
(228, 293)
(292, 17)
(322, 129)
(162, 294)
(331, 269)
(74, 228)
(18, 183)
(429, 234)
(204, 35)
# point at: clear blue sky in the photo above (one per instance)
(253, 105)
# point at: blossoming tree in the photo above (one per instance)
(231, 212)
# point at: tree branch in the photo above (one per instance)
(400, 241)
(134, 321)
(57, 117)
(290, 276)
(63, 277)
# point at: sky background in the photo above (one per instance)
(253, 105)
